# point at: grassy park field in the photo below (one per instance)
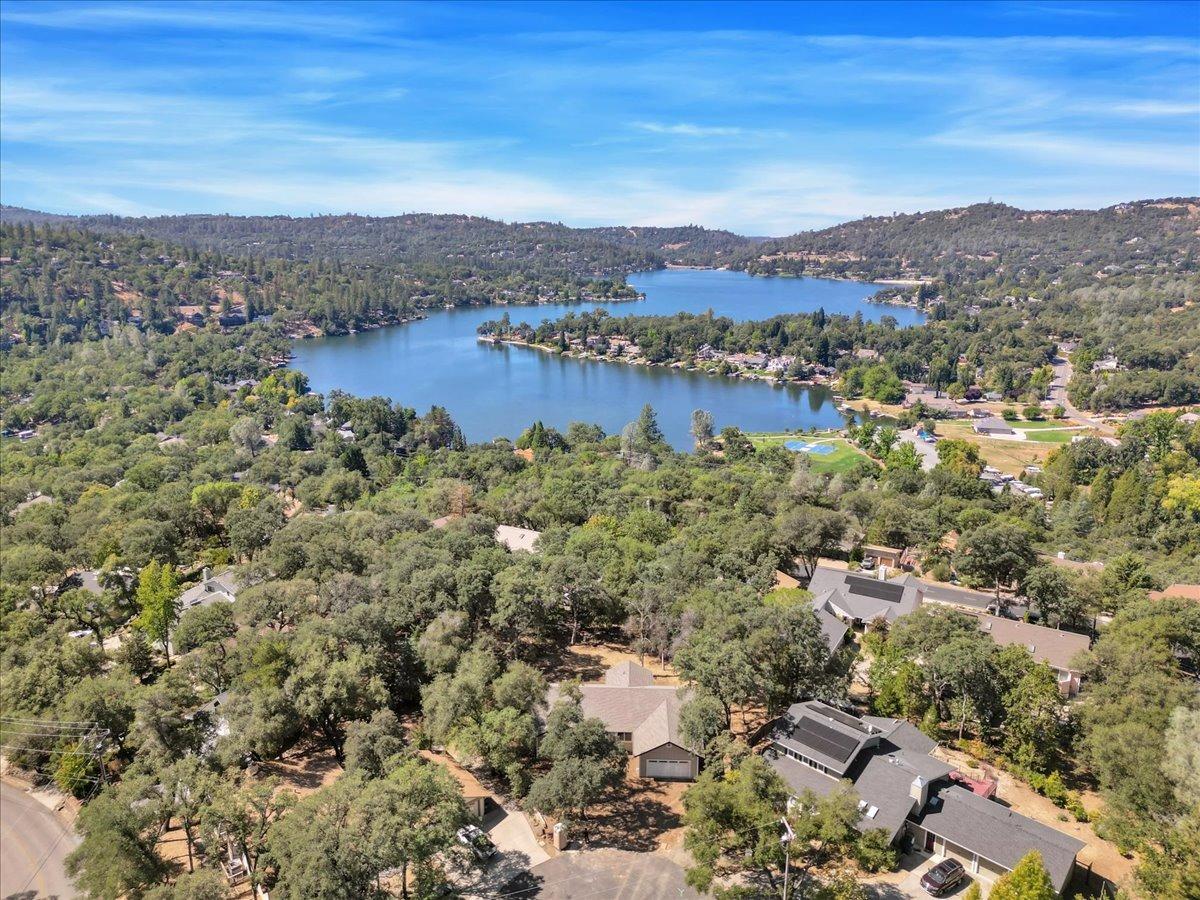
(843, 458)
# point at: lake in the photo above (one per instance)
(498, 390)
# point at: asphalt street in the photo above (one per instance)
(34, 843)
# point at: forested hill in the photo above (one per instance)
(61, 283)
(425, 238)
(991, 239)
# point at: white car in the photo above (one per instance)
(479, 843)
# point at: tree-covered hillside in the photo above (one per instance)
(538, 247)
(59, 283)
(992, 239)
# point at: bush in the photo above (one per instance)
(1075, 808)
(1008, 414)
(940, 571)
(1054, 789)
(1059, 411)
(1033, 413)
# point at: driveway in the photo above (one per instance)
(607, 874)
(518, 849)
(34, 843)
(909, 886)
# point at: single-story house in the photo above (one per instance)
(906, 792)
(1057, 649)
(992, 426)
(860, 599)
(211, 589)
(643, 717)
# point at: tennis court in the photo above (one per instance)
(806, 447)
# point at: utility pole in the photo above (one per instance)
(786, 839)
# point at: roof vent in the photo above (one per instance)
(1032, 647)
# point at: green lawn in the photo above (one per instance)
(842, 459)
(1048, 432)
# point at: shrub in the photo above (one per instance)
(1054, 789)
(1075, 808)
(1033, 413)
(1008, 414)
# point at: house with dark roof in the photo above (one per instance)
(644, 718)
(862, 600)
(993, 426)
(907, 792)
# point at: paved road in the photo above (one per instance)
(603, 875)
(1063, 371)
(926, 452)
(34, 843)
(965, 597)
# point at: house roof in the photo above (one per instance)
(1049, 645)
(626, 702)
(993, 425)
(832, 628)
(995, 832)
(854, 596)
(471, 788)
(515, 538)
(889, 757)
(824, 734)
(629, 674)
(889, 766)
(223, 586)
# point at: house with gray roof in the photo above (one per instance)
(221, 588)
(906, 791)
(644, 718)
(861, 599)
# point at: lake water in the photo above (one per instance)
(494, 391)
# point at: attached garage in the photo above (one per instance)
(669, 761)
(962, 854)
(668, 768)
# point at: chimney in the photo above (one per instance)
(919, 791)
(206, 575)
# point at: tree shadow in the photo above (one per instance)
(305, 768)
(565, 663)
(635, 816)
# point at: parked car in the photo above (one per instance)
(943, 877)
(479, 843)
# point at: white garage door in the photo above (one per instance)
(668, 768)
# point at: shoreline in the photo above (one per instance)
(678, 364)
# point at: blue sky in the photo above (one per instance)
(763, 118)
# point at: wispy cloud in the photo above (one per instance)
(1078, 151)
(1154, 108)
(152, 107)
(688, 129)
(272, 18)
